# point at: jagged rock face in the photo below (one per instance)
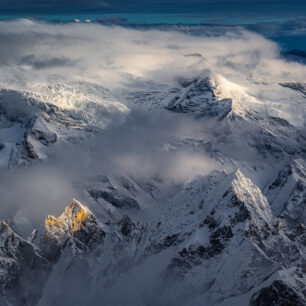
(198, 97)
(61, 242)
(100, 266)
(76, 225)
(9, 266)
(278, 293)
(22, 268)
(25, 266)
(219, 223)
(33, 126)
(216, 228)
(300, 87)
(287, 193)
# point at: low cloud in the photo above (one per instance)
(105, 54)
(29, 195)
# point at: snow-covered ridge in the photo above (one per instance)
(217, 227)
(29, 126)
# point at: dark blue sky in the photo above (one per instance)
(153, 6)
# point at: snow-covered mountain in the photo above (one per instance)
(191, 181)
(216, 243)
(232, 237)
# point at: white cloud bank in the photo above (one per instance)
(46, 59)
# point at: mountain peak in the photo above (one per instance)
(71, 220)
(77, 225)
(199, 96)
(246, 192)
(3, 227)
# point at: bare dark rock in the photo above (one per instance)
(126, 226)
(277, 294)
(210, 222)
(45, 138)
(243, 213)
